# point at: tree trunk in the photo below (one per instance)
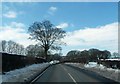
(46, 54)
(46, 51)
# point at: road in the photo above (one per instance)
(65, 73)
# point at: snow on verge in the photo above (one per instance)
(20, 75)
(91, 64)
(110, 73)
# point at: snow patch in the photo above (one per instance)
(90, 64)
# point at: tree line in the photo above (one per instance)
(36, 50)
(89, 55)
(12, 47)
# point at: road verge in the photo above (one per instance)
(31, 79)
(110, 74)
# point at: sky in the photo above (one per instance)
(60, 0)
(88, 24)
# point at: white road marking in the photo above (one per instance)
(69, 75)
(72, 78)
(38, 77)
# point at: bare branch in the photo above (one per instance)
(47, 34)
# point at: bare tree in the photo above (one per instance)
(10, 47)
(30, 50)
(14, 48)
(47, 34)
(116, 55)
(35, 50)
(3, 45)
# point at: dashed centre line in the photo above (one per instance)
(70, 75)
(72, 78)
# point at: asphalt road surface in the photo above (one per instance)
(65, 73)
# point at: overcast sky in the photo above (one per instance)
(88, 25)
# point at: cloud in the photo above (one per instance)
(63, 25)
(102, 37)
(16, 32)
(52, 10)
(10, 14)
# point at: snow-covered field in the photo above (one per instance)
(110, 73)
(20, 75)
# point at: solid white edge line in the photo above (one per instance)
(38, 77)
